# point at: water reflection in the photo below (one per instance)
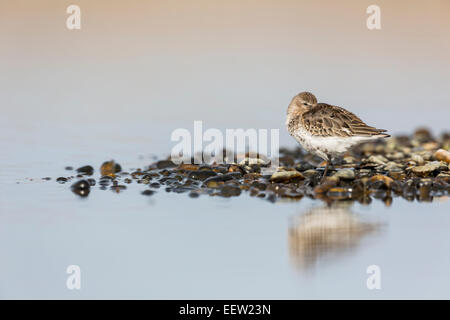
(328, 230)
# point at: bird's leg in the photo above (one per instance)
(324, 172)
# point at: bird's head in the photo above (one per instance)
(302, 102)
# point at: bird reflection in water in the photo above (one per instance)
(329, 230)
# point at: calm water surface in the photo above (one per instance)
(171, 246)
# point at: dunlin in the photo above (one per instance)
(325, 130)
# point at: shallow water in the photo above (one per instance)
(172, 246)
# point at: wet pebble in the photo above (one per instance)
(345, 174)
(442, 155)
(110, 168)
(285, 176)
(87, 170)
(201, 174)
(61, 180)
(81, 188)
(230, 191)
(164, 164)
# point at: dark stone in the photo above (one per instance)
(81, 188)
(194, 194)
(230, 191)
(201, 174)
(61, 180)
(303, 166)
(87, 170)
(163, 164)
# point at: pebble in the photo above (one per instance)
(345, 174)
(378, 159)
(88, 170)
(164, 164)
(81, 188)
(284, 176)
(442, 155)
(417, 159)
(201, 174)
(61, 180)
(110, 168)
(427, 169)
(230, 191)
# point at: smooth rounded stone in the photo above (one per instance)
(261, 195)
(304, 166)
(253, 192)
(188, 167)
(194, 194)
(234, 168)
(164, 164)
(47, 178)
(81, 188)
(222, 170)
(219, 178)
(442, 155)
(127, 180)
(110, 168)
(347, 174)
(148, 192)
(61, 180)
(337, 193)
(91, 181)
(393, 166)
(68, 168)
(251, 161)
(285, 176)
(87, 170)
(427, 169)
(349, 160)
(364, 172)
(259, 185)
(310, 173)
(201, 174)
(212, 183)
(230, 191)
(417, 158)
(105, 181)
(292, 194)
(377, 159)
(430, 146)
(165, 173)
(155, 185)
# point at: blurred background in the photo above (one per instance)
(144, 68)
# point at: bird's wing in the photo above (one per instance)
(326, 120)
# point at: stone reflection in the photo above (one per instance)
(329, 230)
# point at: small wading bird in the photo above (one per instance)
(325, 130)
